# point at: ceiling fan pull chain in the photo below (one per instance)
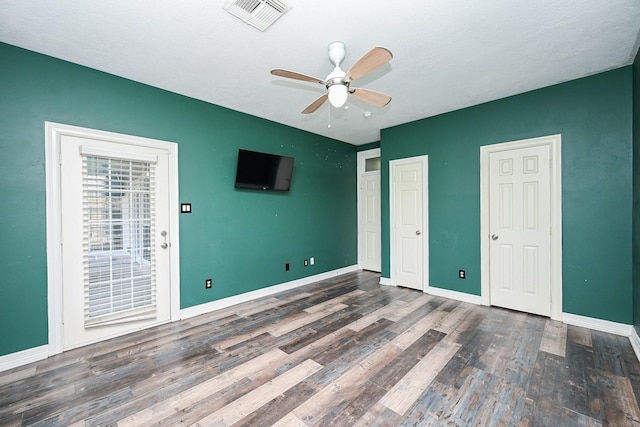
(329, 113)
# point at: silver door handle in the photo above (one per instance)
(494, 237)
(165, 244)
(418, 232)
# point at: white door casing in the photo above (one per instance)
(64, 231)
(521, 226)
(369, 223)
(408, 194)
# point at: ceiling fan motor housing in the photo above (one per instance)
(337, 77)
(338, 87)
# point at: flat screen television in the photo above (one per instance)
(263, 171)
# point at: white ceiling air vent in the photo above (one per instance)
(257, 13)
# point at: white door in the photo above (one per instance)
(408, 229)
(369, 223)
(520, 229)
(370, 236)
(115, 239)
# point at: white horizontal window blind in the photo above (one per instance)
(118, 239)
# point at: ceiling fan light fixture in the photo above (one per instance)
(338, 95)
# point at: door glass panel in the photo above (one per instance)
(118, 250)
(372, 164)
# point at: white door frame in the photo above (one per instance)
(53, 136)
(554, 144)
(362, 158)
(425, 217)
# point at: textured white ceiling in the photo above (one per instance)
(448, 54)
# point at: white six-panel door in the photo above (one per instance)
(520, 229)
(370, 227)
(408, 232)
(369, 221)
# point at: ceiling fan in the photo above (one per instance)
(338, 82)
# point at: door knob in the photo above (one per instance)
(164, 245)
(494, 237)
(418, 232)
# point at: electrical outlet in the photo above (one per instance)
(208, 283)
(312, 260)
(286, 267)
(306, 262)
(462, 274)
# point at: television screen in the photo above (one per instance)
(262, 171)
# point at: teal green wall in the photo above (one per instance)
(241, 239)
(231, 235)
(594, 116)
(636, 193)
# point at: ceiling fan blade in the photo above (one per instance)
(315, 104)
(297, 76)
(374, 59)
(371, 96)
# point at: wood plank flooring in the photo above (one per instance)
(341, 352)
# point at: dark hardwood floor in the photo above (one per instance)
(344, 352)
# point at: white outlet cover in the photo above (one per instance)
(312, 260)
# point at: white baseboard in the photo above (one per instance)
(459, 296)
(259, 293)
(597, 324)
(23, 357)
(635, 342)
(386, 281)
(35, 354)
(606, 326)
